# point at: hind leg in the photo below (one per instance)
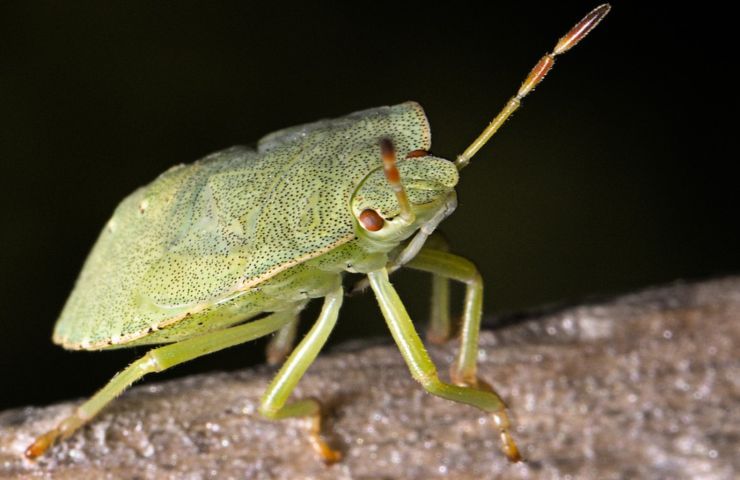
(156, 360)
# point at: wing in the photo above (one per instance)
(206, 231)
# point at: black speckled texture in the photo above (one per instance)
(643, 386)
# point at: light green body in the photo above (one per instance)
(194, 256)
(243, 231)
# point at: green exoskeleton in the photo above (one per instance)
(232, 247)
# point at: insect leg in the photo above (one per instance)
(156, 360)
(440, 325)
(274, 400)
(282, 342)
(447, 265)
(422, 368)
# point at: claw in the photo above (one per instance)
(63, 430)
(500, 418)
(508, 445)
(41, 444)
(328, 455)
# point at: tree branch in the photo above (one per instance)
(641, 386)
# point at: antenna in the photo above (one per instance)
(536, 75)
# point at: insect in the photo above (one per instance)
(232, 247)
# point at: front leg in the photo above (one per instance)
(444, 265)
(422, 368)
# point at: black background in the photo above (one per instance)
(615, 175)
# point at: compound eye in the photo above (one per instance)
(371, 220)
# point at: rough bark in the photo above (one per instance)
(646, 385)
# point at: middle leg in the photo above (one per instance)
(273, 403)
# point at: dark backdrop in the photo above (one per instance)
(614, 175)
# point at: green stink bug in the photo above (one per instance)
(232, 247)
